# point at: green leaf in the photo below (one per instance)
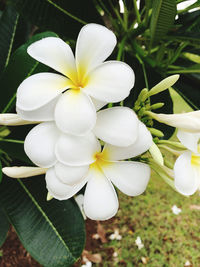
(188, 87)
(64, 17)
(52, 232)
(1, 172)
(8, 24)
(162, 19)
(4, 227)
(20, 66)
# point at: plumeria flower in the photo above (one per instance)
(72, 161)
(187, 172)
(188, 125)
(85, 82)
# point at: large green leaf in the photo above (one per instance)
(52, 232)
(4, 226)
(64, 17)
(162, 19)
(188, 87)
(20, 66)
(8, 25)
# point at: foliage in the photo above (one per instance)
(151, 40)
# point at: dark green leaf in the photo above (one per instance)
(4, 226)
(21, 66)
(1, 172)
(52, 232)
(8, 24)
(64, 17)
(188, 87)
(162, 19)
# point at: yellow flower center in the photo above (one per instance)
(195, 160)
(99, 161)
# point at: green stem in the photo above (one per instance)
(66, 12)
(144, 71)
(136, 12)
(11, 141)
(121, 47)
(172, 143)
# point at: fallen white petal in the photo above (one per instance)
(139, 243)
(75, 113)
(186, 177)
(110, 82)
(189, 140)
(40, 142)
(23, 172)
(141, 145)
(117, 126)
(39, 89)
(94, 44)
(130, 177)
(176, 210)
(70, 175)
(55, 53)
(100, 199)
(60, 190)
(77, 150)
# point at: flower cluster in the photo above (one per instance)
(74, 144)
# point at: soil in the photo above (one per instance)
(15, 255)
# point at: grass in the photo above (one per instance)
(169, 239)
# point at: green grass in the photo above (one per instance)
(169, 239)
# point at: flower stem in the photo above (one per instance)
(11, 141)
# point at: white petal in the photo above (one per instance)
(189, 140)
(44, 113)
(189, 121)
(56, 54)
(59, 190)
(117, 126)
(98, 103)
(69, 174)
(130, 177)
(110, 82)
(75, 113)
(39, 89)
(141, 145)
(23, 171)
(94, 44)
(40, 143)
(186, 176)
(100, 199)
(12, 119)
(77, 150)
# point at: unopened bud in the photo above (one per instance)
(156, 106)
(164, 84)
(156, 132)
(49, 196)
(156, 154)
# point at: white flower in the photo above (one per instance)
(187, 173)
(115, 235)
(176, 210)
(73, 161)
(87, 264)
(139, 243)
(188, 125)
(86, 81)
